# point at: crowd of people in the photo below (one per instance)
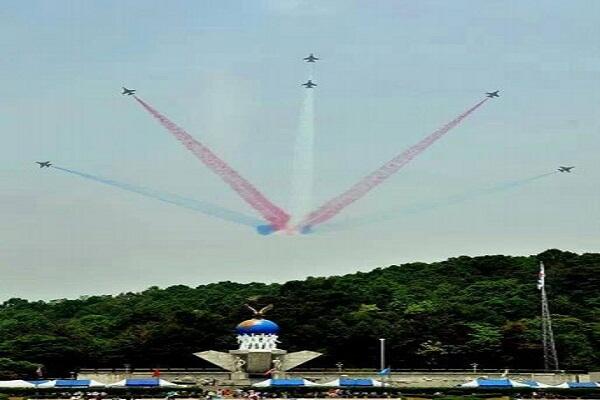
(293, 394)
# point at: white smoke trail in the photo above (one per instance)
(303, 162)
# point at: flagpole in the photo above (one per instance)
(382, 354)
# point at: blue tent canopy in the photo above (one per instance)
(344, 381)
(72, 383)
(494, 383)
(578, 385)
(293, 382)
(142, 382)
(355, 382)
(287, 382)
(485, 383)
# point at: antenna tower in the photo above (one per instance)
(550, 357)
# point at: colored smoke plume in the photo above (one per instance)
(365, 185)
(275, 215)
(420, 207)
(202, 206)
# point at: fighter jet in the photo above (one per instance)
(128, 92)
(309, 85)
(564, 169)
(311, 58)
(492, 94)
(43, 164)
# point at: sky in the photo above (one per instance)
(230, 73)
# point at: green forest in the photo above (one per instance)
(445, 314)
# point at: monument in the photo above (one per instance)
(258, 351)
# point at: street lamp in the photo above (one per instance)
(382, 354)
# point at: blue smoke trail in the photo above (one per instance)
(197, 205)
(417, 208)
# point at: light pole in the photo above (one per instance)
(381, 354)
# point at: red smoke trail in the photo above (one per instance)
(337, 204)
(275, 215)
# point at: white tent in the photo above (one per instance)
(577, 385)
(493, 383)
(563, 385)
(18, 383)
(294, 382)
(144, 382)
(358, 382)
(536, 384)
(71, 383)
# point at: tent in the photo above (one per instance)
(577, 385)
(502, 383)
(143, 383)
(18, 383)
(38, 381)
(536, 384)
(71, 383)
(358, 382)
(294, 382)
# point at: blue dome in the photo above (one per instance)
(257, 326)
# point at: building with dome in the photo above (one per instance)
(258, 350)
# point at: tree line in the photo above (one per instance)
(448, 314)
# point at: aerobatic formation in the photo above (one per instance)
(300, 220)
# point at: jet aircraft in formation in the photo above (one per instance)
(492, 94)
(43, 164)
(128, 92)
(309, 85)
(311, 58)
(564, 169)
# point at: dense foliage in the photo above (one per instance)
(446, 315)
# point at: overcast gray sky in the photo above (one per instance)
(229, 72)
